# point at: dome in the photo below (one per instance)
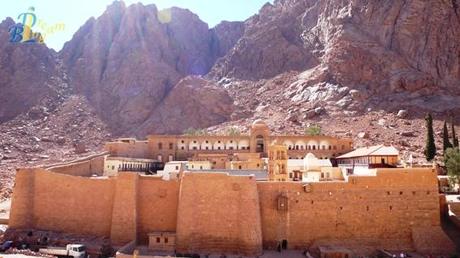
(310, 156)
(259, 122)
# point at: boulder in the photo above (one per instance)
(402, 113)
(363, 135)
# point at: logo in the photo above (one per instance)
(22, 32)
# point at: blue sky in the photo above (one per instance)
(74, 13)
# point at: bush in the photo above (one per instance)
(313, 130)
(195, 132)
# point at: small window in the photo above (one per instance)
(194, 147)
(166, 240)
(160, 146)
(113, 167)
(182, 141)
(194, 141)
(177, 167)
(182, 148)
(158, 240)
(171, 146)
(239, 167)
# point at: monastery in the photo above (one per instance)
(243, 195)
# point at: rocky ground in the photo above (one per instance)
(45, 137)
(369, 125)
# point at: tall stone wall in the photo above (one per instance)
(58, 202)
(218, 214)
(22, 204)
(157, 206)
(380, 211)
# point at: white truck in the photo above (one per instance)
(71, 250)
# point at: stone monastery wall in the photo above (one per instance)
(216, 213)
(377, 211)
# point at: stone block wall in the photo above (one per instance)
(218, 213)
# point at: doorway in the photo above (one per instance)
(284, 244)
(259, 143)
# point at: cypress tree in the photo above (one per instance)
(445, 138)
(454, 136)
(430, 148)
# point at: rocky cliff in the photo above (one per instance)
(128, 61)
(347, 65)
(30, 74)
(358, 54)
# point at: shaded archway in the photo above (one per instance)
(259, 143)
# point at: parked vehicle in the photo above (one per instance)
(6, 245)
(71, 250)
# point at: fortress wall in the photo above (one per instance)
(84, 168)
(124, 216)
(138, 149)
(218, 213)
(22, 201)
(157, 206)
(379, 211)
(72, 204)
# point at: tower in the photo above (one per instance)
(259, 137)
(277, 162)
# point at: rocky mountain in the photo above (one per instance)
(128, 61)
(354, 54)
(30, 74)
(347, 65)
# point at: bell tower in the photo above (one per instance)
(277, 162)
(259, 137)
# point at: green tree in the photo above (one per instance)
(313, 130)
(445, 138)
(454, 135)
(430, 148)
(195, 132)
(233, 131)
(452, 161)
